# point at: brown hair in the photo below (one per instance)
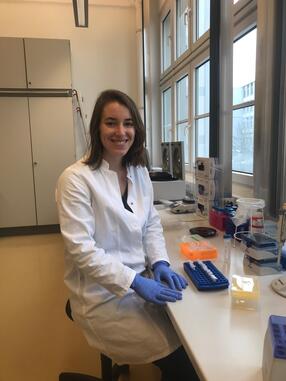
(136, 154)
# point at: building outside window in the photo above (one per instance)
(202, 100)
(166, 42)
(167, 115)
(182, 102)
(182, 28)
(202, 17)
(244, 60)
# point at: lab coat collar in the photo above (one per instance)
(105, 166)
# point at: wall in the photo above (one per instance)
(102, 55)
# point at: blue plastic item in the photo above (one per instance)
(277, 325)
(202, 280)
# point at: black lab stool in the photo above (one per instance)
(109, 372)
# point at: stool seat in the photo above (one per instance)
(109, 372)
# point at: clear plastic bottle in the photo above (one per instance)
(226, 248)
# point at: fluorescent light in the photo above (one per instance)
(80, 10)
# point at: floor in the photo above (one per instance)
(37, 339)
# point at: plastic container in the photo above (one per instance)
(199, 250)
(226, 248)
(245, 292)
(252, 208)
(217, 218)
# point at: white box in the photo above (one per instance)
(205, 188)
(169, 190)
(205, 167)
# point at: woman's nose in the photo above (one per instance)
(120, 129)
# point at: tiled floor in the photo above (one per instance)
(37, 339)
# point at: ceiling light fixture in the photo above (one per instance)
(80, 10)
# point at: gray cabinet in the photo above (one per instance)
(13, 72)
(35, 63)
(36, 144)
(17, 201)
(52, 149)
(48, 63)
(36, 128)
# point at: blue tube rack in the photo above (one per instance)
(202, 280)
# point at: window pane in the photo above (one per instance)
(203, 17)
(167, 116)
(202, 137)
(182, 26)
(183, 136)
(166, 43)
(244, 58)
(203, 89)
(182, 99)
(242, 139)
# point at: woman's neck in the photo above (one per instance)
(115, 164)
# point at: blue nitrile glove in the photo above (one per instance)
(153, 291)
(163, 273)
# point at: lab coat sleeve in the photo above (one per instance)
(153, 238)
(77, 222)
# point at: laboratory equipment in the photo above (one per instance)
(245, 292)
(260, 253)
(274, 350)
(203, 231)
(205, 276)
(179, 207)
(169, 190)
(250, 209)
(279, 286)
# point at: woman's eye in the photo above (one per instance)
(110, 124)
(129, 124)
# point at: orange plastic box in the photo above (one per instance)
(198, 250)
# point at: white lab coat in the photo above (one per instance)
(106, 245)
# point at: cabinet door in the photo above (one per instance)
(53, 150)
(48, 63)
(12, 73)
(17, 199)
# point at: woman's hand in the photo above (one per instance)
(153, 291)
(163, 273)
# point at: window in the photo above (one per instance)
(182, 96)
(166, 41)
(202, 17)
(167, 116)
(244, 59)
(202, 99)
(182, 32)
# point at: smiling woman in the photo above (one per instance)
(114, 243)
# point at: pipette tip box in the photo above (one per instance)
(274, 350)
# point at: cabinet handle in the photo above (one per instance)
(35, 163)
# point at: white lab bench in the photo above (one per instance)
(224, 343)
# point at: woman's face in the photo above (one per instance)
(117, 130)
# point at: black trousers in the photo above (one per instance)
(177, 367)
